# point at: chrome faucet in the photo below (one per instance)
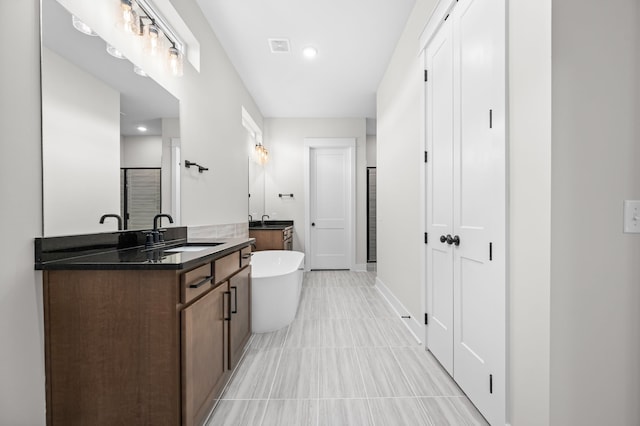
(117, 216)
(263, 216)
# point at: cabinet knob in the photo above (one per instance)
(313, 224)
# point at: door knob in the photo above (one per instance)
(443, 239)
(448, 239)
(456, 240)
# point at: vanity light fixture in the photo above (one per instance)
(262, 153)
(138, 18)
(82, 27)
(141, 128)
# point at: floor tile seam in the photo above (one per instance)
(404, 373)
(359, 362)
(273, 379)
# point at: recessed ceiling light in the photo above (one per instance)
(139, 71)
(82, 27)
(142, 128)
(309, 52)
(114, 52)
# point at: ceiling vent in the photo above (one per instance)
(279, 45)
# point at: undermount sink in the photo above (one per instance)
(192, 247)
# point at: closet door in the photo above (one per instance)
(439, 61)
(479, 218)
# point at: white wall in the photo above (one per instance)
(141, 151)
(81, 140)
(530, 210)
(284, 173)
(595, 267)
(21, 326)
(371, 150)
(400, 226)
(170, 131)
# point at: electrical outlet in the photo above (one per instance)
(632, 217)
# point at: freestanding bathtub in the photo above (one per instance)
(276, 279)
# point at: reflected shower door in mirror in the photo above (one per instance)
(98, 117)
(256, 189)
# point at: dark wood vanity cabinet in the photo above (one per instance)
(144, 347)
(273, 239)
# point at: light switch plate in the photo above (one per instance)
(632, 216)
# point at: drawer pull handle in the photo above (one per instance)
(201, 283)
(247, 256)
(224, 294)
(235, 298)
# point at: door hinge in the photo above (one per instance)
(490, 251)
(426, 319)
(426, 156)
(426, 75)
(490, 383)
(426, 238)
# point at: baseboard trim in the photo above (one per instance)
(359, 267)
(414, 327)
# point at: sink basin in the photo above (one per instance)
(192, 247)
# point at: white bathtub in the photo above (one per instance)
(276, 286)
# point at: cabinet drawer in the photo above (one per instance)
(226, 266)
(195, 282)
(245, 256)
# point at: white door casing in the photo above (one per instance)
(330, 203)
(439, 200)
(478, 164)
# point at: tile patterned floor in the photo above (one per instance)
(346, 359)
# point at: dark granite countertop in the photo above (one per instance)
(108, 252)
(270, 224)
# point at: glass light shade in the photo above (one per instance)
(114, 52)
(175, 62)
(262, 154)
(153, 39)
(82, 27)
(129, 19)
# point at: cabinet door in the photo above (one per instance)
(204, 354)
(240, 324)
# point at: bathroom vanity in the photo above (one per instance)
(141, 336)
(272, 234)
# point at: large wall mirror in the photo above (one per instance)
(97, 157)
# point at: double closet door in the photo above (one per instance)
(466, 208)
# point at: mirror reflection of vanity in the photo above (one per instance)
(96, 160)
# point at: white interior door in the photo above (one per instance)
(466, 200)
(479, 206)
(439, 60)
(331, 210)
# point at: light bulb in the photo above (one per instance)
(129, 19)
(175, 62)
(153, 39)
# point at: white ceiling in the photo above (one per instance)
(354, 38)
